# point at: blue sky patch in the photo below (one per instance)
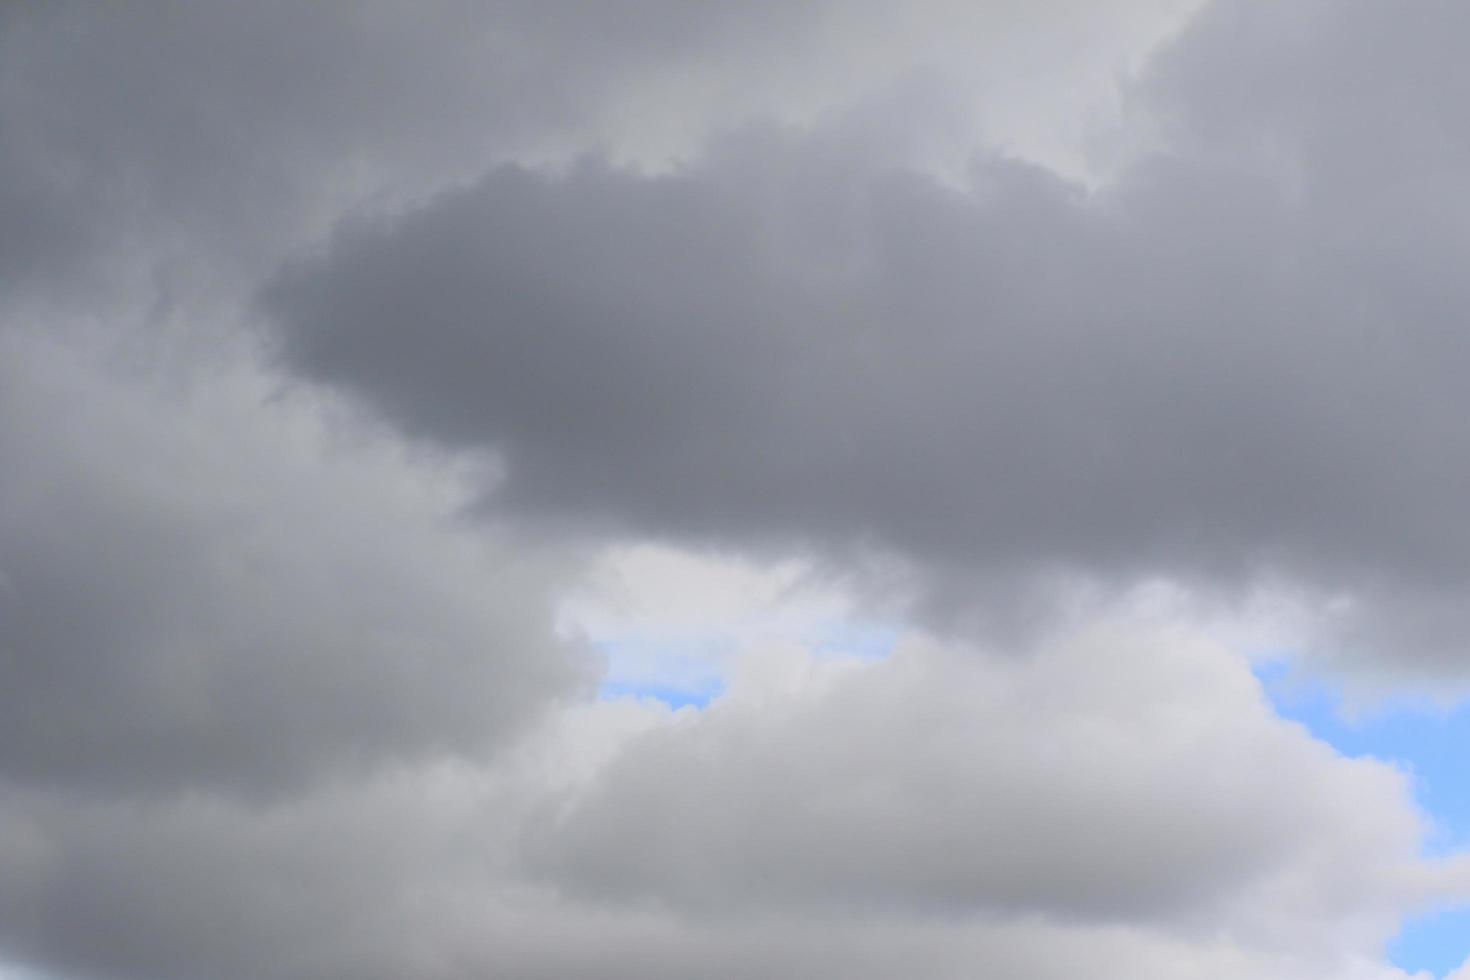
(674, 697)
(1429, 743)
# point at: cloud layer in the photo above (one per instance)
(939, 392)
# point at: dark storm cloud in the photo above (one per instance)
(1243, 355)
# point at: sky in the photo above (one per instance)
(635, 488)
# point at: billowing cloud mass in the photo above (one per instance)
(1119, 801)
(653, 489)
(795, 337)
(1149, 778)
(190, 599)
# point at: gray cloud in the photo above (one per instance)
(1119, 776)
(189, 600)
(865, 820)
(1239, 357)
(191, 142)
(272, 707)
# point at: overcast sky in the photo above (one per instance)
(676, 488)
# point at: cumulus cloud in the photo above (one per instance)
(190, 598)
(1118, 776)
(182, 146)
(1236, 359)
(140, 136)
(1125, 800)
(739, 341)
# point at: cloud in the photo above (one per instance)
(1125, 801)
(682, 326)
(670, 621)
(1234, 361)
(1120, 776)
(183, 147)
(190, 598)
